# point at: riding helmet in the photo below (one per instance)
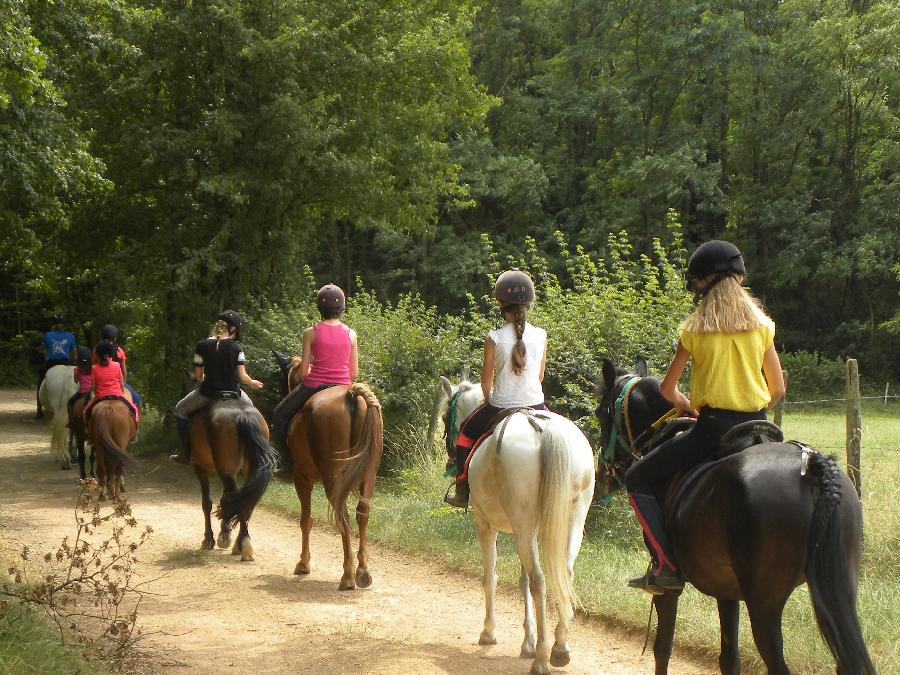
(514, 287)
(57, 318)
(233, 319)
(330, 298)
(109, 332)
(715, 257)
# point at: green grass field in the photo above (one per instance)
(408, 515)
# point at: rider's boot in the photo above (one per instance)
(183, 456)
(657, 583)
(461, 497)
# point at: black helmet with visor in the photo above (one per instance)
(233, 320)
(717, 259)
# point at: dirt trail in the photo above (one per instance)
(213, 614)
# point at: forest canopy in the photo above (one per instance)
(162, 160)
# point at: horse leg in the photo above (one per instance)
(229, 485)
(101, 479)
(209, 541)
(729, 621)
(527, 546)
(666, 611)
(765, 621)
(559, 654)
(348, 582)
(243, 545)
(366, 490)
(81, 459)
(527, 651)
(93, 461)
(304, 492)
(487, 537)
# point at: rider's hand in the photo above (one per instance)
(256, 384)
(683, 405)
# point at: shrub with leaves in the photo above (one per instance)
(87, 587)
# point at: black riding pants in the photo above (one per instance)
(649, 475)
(289, 406)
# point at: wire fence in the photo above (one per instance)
(843, 400)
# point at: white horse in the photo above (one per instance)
(536, 483)
(56, 389)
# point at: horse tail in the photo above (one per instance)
(364, 455)
(115, 458)
(831, 585)
(261, 457)
(555, 498)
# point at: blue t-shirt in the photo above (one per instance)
(59, 344)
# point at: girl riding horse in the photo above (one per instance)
(330, 358)
(512, 370)
(735, 377)
(218, 366)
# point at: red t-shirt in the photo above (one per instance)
(107, 379)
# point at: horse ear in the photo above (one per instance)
(609, 374)
(640, 366)
(447, 387)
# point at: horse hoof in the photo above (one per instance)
(208, 544)
(247, 557)
(363, 578)
(346, 585)
(301, 568)
(236, 549)
(559, 658)
(486, 639)
(527, 651)
(539, 668)
(224, 540)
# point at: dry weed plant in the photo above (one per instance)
(88, 586)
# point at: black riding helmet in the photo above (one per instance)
(715, 257)
(514, 287)
(109, 332)
(84, 354)
(233, 320)
(57, 319)
(330, 298)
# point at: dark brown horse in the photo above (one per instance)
(231, 437)
(752, 527)
(336, 438)
(110, 429)
(78, 434)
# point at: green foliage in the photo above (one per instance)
(812, 376)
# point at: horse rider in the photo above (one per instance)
(512, 371)
(735, 377)
(82, 375)
(110, 333)
(107, 379)
(59, 350)
(330, 358)
(219, 366)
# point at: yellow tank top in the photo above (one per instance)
(726, 368)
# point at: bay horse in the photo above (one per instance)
(752, 527)
(56, 389)
(336, 438)
(228, 437)
(110, 429)
(533, 477)
(78, 435)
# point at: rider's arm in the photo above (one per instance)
(487, 368)
(246, 379)
(543, 363)
(306, 359)
(354, 355)
(774, 375)
(669, 385)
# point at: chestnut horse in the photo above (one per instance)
(336, 438)
(110, 430)
(228, 437)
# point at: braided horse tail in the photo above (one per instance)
(364, 457)
(832, 584)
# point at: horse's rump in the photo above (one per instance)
(111, 428)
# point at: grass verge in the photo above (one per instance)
(407, 514)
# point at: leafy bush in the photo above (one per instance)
(619, 307)
(812, 376)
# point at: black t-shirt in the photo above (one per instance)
(219, 360)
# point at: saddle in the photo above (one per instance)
(131, 407)
(738, 438)
(501, 419)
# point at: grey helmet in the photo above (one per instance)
(514, 287)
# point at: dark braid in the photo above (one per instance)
(518, 353)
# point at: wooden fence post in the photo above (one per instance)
(887, 385)
(779, 407)
(854, 425)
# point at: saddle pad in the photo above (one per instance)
(503, 416)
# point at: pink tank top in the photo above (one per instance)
(108, 379)
(330, 356)
(84, 381)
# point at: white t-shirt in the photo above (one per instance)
(511, 390)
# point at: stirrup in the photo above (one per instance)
(450, 500)
(645, 582)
